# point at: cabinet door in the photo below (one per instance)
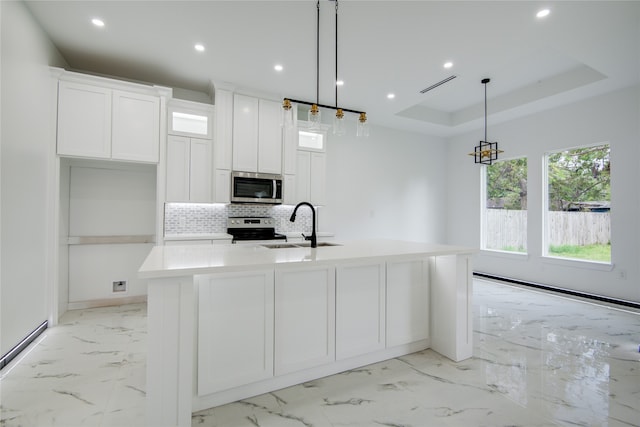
(304, 318)
(222, 186)
(200, 174)
(245, 133)
(178, 155)
(289, 190)
(235, 329)
(360, 309)
(136, 127)
(303, 176)
(223, 130)
(407, 302)
(290, 146)
(317, 179)
(84, 120)
(270, 137)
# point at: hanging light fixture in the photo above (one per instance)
(338, 120)
(485, 152)
(315, 114)
(288, 112)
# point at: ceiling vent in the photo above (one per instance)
(435, 85)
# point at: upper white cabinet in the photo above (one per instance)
(84, 120)
(257, 135)
(223, 146)
(270, 137)
(189, 169)
(100, 120)
(192, 119)
(310, 182)
(189, 160)
(245, 133)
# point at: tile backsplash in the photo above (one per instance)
(203, 218)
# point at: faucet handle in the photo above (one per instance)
(306, 237)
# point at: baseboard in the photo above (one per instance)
(106, 302)
(608, 300)
(11, 354)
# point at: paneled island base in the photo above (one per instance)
(230, 322)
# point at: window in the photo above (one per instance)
(578, 224)
(505, 213)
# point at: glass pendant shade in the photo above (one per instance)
(362, 127)
(314, 117)
(339, 127)
(287, 113)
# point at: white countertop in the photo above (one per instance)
(187, 260)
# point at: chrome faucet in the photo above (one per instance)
(313, 238)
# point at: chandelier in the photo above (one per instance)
(485, 152)
(315, 113)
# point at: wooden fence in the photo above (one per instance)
(508, 228)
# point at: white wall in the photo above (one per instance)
(389, 185)
(25, 169)
(611, 118)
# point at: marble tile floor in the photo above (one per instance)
(539, 360)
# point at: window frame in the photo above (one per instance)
(546, 238)
(484, 216)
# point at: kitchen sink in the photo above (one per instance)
(320, 244)
(297, 245)
(280, 245)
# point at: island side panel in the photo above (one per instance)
(170, 326)
(451, 306)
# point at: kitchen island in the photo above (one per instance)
(227, 322)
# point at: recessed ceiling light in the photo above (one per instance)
(391, 95)
(340, 83)
(199, 47)
(448, 64)
(542, 13)
(97, 22)
(278, 67)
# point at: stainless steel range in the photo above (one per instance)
(245, 229)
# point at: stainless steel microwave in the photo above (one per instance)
(250, 187)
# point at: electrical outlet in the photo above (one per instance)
(622, 274)
(119, 285)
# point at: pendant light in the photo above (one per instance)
(315, 113)
(485, 152)
(338, 120)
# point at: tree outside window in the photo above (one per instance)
(579, 202)
(505, 213)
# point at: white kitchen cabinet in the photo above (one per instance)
(304, 318)
(407, 302)
(223, 130)
(135, 127)
(235, 329)
(84, 120)
(222, 186)
(290, 145)
(245, 133)
(223, 146)
(101, 122)
(189, 169)
(269, 137)
(311, 177)
(360, 309)
(289, 191)
(192, 119)
(257, 135)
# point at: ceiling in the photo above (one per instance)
(581, 49)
